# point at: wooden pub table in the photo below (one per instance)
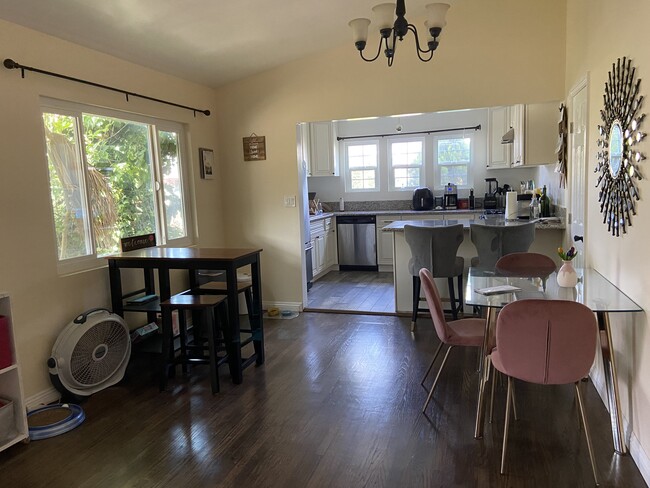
(192, 259)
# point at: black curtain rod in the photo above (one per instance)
(476, 127)
(11, 64)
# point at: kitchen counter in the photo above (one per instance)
(551, 223)
(398, 226)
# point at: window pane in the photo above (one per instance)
(406, 177)
(67, 186)
(118, 153)
(454, 150)
(362, 179)
(362, 156)
(173, 189)
(406, 153)
(456, 174)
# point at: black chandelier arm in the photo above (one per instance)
(381, 39)
(418, 48)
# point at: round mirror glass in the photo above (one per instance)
(615, 148)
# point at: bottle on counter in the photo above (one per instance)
(544, 204)
(471, 198)
(534, 207)
(341, 205)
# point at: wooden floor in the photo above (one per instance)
(337, 404)
(353, 291)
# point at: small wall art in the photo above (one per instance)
(206, 158)
(254, 148)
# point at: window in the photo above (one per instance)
(406, 157)
(453, 160)
(110, 178)
(362, 165)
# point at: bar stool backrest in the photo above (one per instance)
(434, 248)
(495, 241)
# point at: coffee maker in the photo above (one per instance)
(451, 197)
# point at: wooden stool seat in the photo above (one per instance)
(220, 286)
(204, 308)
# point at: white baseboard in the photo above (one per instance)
(291, 306)
(44, 397)
(635, 448)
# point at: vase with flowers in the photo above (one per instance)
(566, 275)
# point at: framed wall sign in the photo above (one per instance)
(206, 158)
(254, 148)
(618, 154)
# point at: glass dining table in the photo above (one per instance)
(592, 290)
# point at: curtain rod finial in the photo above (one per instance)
(11, 64)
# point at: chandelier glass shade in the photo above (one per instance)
(391, 21)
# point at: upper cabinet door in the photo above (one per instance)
(499, 155)
(323, 154)
(542, 133)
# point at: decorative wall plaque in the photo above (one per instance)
(254, 148)
(618, 158)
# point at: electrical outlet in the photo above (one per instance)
(289, 200)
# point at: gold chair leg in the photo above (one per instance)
(505, 427)
(435, 382)
(494, 381)
(587, 435)
(435, 356)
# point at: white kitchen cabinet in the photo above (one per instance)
(331, 254)
(501, 120)
(499, 155)
(13, 426)
(540, 134)
(323, 149)
(323, 240)
(385, 240)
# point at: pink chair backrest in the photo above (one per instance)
(435, 305)
(525, 264)
(546, 341)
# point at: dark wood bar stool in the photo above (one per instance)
(213, 313)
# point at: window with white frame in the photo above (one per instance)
(406, 158)
(362, 165)
(453, 158)
(112, 175)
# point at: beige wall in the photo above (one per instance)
(44, 302)
(489, 55)
(591, 48)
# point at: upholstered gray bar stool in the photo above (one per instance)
(435, 249)
(494, 241)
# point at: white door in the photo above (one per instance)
(577, 170)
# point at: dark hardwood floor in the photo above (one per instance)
(353, 291)
(337, 404)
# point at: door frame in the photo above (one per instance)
(581, 84)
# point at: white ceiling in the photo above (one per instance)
(212, 42)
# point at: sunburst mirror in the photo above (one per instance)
(618, 156)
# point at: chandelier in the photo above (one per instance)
(393, 25)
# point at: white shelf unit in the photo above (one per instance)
(11, 386)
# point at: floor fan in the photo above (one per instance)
(90, 354)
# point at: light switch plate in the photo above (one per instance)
(289, 200)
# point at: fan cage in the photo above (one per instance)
(99, 352)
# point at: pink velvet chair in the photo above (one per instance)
(548, 342)
(525, 264)
(463, 332)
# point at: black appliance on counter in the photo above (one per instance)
(490, 199)
(451, 197)
(422, 199)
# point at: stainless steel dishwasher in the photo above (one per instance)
(357, 242)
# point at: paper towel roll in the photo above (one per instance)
(511, 205)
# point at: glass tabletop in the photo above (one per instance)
(592, 290)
